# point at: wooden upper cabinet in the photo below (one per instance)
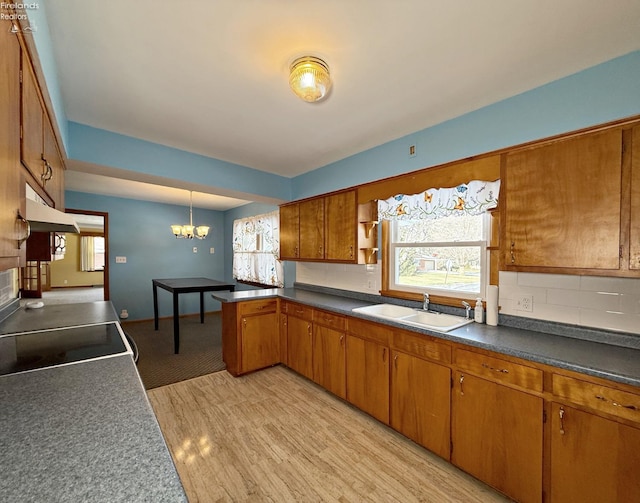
(323, 228)
(10, 189)
(31, 146)
(341, 226)
(54, 179)
(311, 219)
(562, 204)
(634, 238)
(289, 231)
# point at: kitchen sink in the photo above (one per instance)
(415, 317)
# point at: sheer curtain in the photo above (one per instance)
(256, 248)
(87, 253)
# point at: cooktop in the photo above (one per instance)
(39, 349)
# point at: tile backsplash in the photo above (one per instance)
(9, 286)
(589, 301)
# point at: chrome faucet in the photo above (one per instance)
(425, 302)
(467, 308)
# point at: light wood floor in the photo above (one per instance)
(273, 436)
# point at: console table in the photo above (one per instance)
(184, 285)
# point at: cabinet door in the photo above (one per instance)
(562, 204)
(32, 123)
(300, 346)
(260, 341)
(420, 401)
(497, 436)
(289, 231)
(53, 181)
(10, 230)
(593, 459)
(368, 377)
(341, 226)
(634, 239)
(312, 229)
(329, 360)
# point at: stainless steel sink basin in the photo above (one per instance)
(415, 317)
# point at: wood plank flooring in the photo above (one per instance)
(273, 436)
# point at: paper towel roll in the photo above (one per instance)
(492, 305)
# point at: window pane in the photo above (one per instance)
(447, 229)
(455, 268)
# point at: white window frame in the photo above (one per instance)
(392, 246)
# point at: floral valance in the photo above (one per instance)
(471, 198)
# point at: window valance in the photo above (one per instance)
(471, 198)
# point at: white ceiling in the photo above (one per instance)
(211, 77)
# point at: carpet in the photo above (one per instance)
(200, 349)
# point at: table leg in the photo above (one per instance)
(201, 307)
(155, 307)
(176, 324)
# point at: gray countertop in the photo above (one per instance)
(604, 359)
(58, 316)
(80, 432)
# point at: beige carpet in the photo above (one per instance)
(200, 349)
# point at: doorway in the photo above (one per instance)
(82, 273)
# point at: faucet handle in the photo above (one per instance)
(425, 296)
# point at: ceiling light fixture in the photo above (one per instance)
(190, 231)
(309, 78)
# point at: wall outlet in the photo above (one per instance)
(525, 303)
(412, 150)
(195, 249)
(212, 250)
(121, 260)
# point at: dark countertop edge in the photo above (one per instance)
(343, 301)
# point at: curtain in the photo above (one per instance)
(256, 248)
(87, 253)
(471, 198)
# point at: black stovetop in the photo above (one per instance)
(27, 351)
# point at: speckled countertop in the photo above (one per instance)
(81, 432)
(598, 353)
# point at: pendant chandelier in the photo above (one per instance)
(190, 231)
(309, 78)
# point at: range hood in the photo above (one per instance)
(42, 218)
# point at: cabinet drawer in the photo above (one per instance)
(298, 310)
(330, 320)
(258, 306)
(370, 331)
(500, 370)
(421, 345)
(602, 398)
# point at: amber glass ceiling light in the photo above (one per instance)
(309, 78)
(190, 231)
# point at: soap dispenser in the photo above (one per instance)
(478, 312)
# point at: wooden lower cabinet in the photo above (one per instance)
(497, 436)
(593, 459)
(420, 401)
(329, 359)
(368, 377)
(260, 341)
(250, 335)
(300, 346)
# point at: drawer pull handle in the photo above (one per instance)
(630, 407)
(461, 387)
(561, 414)
(513, 252)
(489, 367)
(616, 404)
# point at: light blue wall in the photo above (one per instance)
(139, 231)
(42, 40)
(105, 148)
(599, 94)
